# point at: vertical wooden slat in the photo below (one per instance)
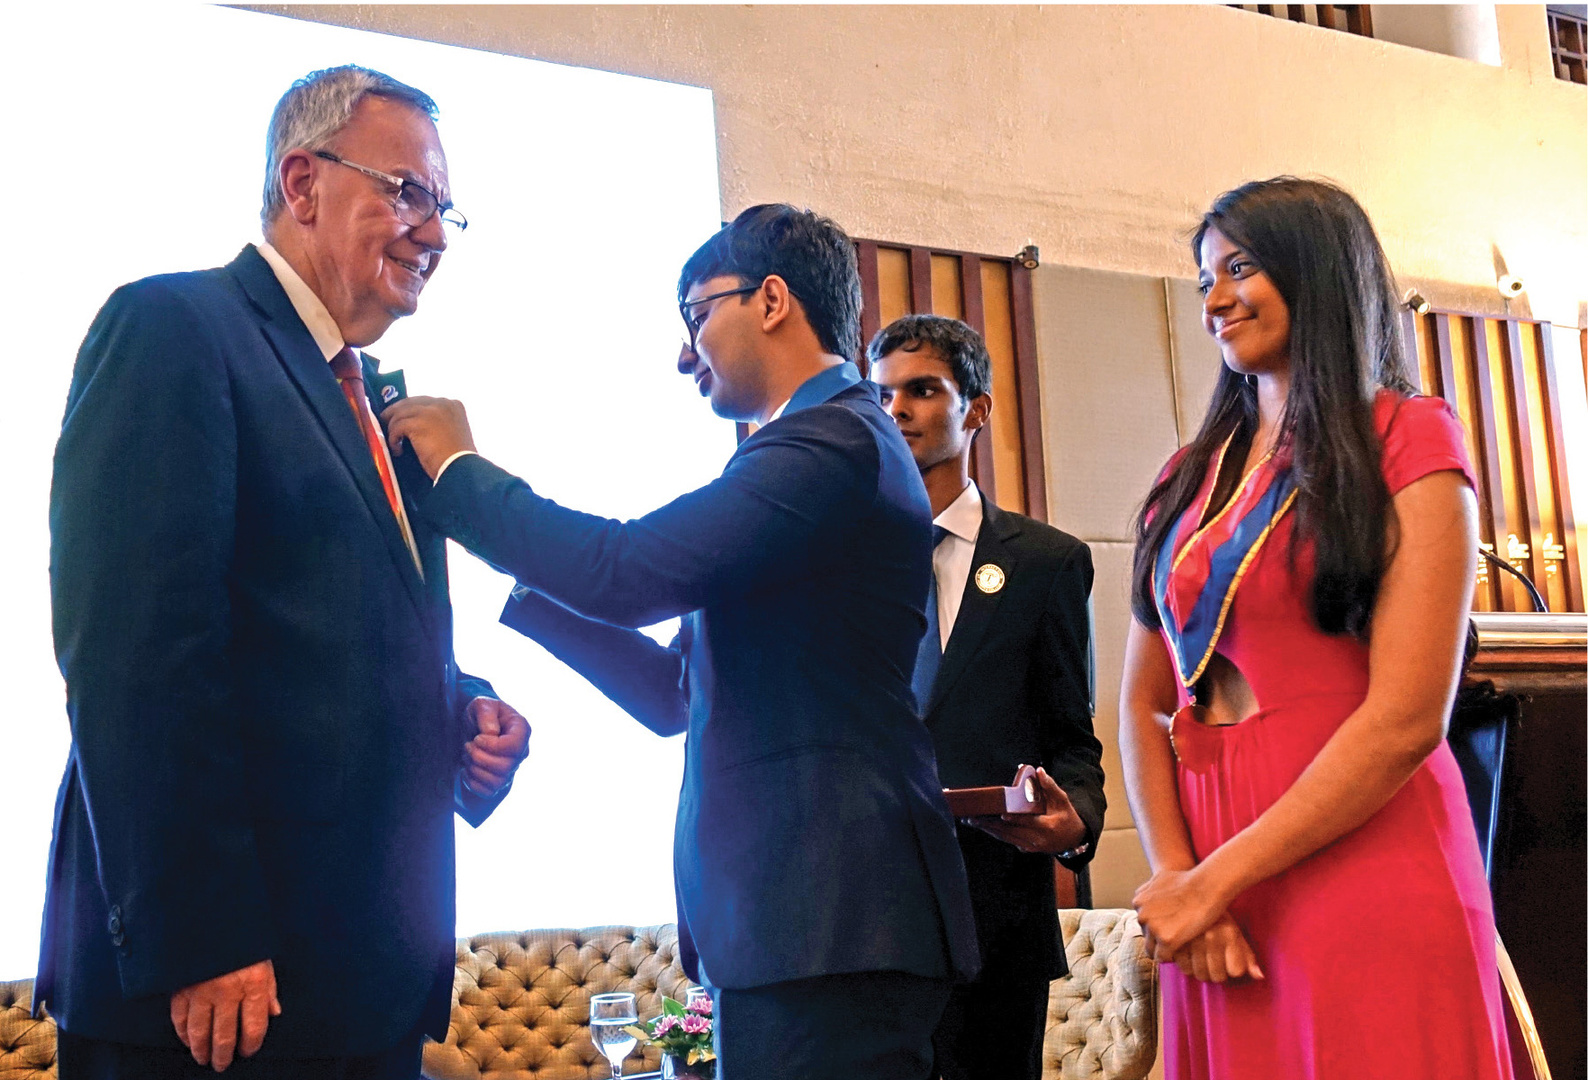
(948, 296)
(921, 281)
(1571, 566)
(1359, 19)
(1522, 442)
(1030, 393)
(970, 288)
(893, 283)
(1326, 16)
(983, 465)
(1446, 361)
(870, 299)
(1501, 493)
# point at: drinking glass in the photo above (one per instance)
(609, 1015)
(694, 994)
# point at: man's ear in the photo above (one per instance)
(977, 412)
(777, 303)
(296, 177)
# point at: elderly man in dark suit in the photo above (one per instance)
(253, 846)
(1004, 678)
(821, 896)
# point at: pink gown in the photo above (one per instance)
(1379, 949)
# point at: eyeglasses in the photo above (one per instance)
(415, 205)
(694, 324)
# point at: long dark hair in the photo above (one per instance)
(1316, 244)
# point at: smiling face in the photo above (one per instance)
(725, 362)
(919, 392)
(369, 265)
(1242, 309)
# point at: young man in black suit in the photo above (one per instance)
(1003, 678)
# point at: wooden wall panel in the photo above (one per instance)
(898, 280)
(1500, 376)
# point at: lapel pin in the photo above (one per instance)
(989, 578)
(388, 393)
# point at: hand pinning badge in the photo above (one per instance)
(989, 578)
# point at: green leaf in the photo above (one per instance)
(672, 1008)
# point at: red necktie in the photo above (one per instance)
(350, 373)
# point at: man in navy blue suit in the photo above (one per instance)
(821, 894)
(253, 850)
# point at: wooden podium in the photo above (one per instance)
(1519, 734)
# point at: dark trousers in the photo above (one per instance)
(993, 1030)
(92, 1059)
(875, 1025)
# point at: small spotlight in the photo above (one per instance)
(1510, 286)
(1415, 301)
(1027, 256)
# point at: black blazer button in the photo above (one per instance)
(115, 923)
(115, 911)
(118, 939)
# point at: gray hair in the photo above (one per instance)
(318, 106)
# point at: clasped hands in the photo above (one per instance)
(226, 1017)
(1187, 922)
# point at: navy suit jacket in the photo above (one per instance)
(266, 718)
(812, 837)
(1015, 688)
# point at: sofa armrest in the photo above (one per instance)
(1102, 1017)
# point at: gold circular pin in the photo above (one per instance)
(989, 578)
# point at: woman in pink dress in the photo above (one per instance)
(1303, 574)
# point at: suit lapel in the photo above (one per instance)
(977, 608)
(294, 346)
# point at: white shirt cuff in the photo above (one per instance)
(450, 460)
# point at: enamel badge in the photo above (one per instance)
(989, 578)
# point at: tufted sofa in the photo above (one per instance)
(523, 1001)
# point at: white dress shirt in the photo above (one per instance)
(328, 336)
(952, 558)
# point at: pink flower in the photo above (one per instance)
(696, 1025)
(664, 1025)
(700, 1005)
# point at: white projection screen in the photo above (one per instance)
(136, 147)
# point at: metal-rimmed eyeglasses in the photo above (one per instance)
(415, 205)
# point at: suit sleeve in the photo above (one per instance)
(142, 519)
(1072, 754)
(641, 677)
(469, 806)
(799, 487)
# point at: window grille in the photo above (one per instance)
(1352, 18)
(1568, 41)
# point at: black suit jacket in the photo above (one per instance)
(812, 837)
(1015, 687)
(266, 717)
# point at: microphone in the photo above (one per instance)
(1527, 582)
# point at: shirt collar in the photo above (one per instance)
(820, 388)
(963, 516)
(327, 335)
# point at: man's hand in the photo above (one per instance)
(207, 1015)
(436, 428)
(1219, 953)
(1058, 828)
(500, 744)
